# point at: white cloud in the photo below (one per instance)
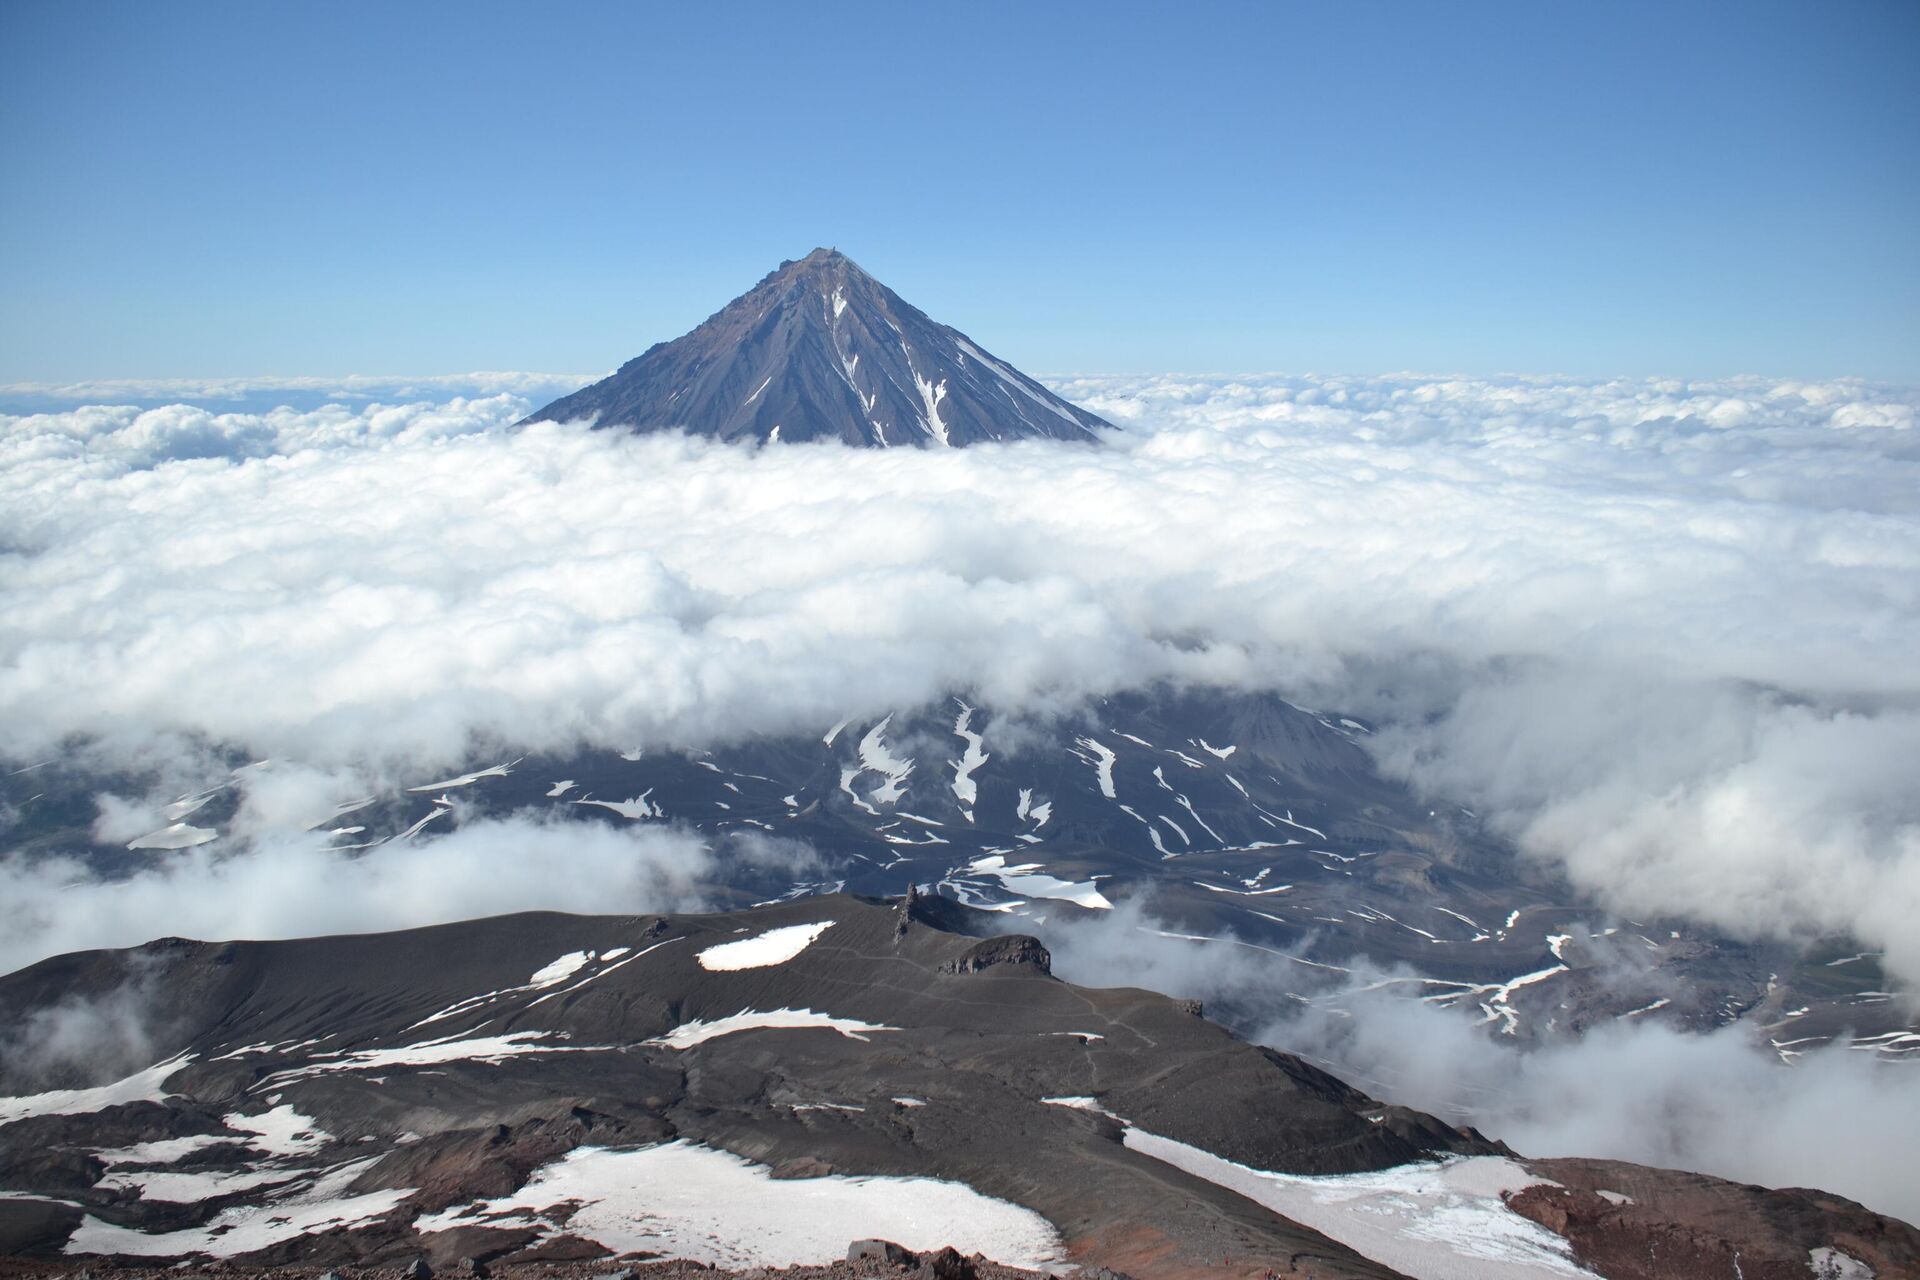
(293, 884)
(1665, 634)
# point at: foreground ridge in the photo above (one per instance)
(756, 1088)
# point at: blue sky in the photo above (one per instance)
(1685, 189)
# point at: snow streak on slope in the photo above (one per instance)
(699, 1031)
(970, 760)
(142, 1086)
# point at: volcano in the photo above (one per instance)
(820, 350)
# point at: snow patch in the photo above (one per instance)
(685, 1201)
(161, 1150)
(970, 760)
(142, 1086)
(1028, 811)
(1828, 1263)
(282, 1131)
(468, 779)
(1102, 762)
(699, 1030)
(180, 835)
(875, 756)
(315, 1206)
(1441, 1220)
(1034, 885)
(634, 810)
(775, 946)
(171, 1186)
(488, 1049)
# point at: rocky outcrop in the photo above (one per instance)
(1630, 1222)
(881, 1252)
(1008, 949)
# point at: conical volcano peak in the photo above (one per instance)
(821, 264)
(828, 274)
(827, 262)
(823, 257)
(820, 350)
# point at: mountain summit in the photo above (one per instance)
(820, 350)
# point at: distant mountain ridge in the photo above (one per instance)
(820, 350)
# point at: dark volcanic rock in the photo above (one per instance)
(35, 1227)
(1629, 1222)
(1007, 949)
(801, 1167)
(947, 1264)
(820, 350)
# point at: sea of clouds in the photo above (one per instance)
(1664, 635)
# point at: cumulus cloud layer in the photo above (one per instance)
(1666, 635)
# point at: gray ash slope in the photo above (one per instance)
(820, 350)
(367, 1098)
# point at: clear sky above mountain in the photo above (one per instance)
(1695, 189)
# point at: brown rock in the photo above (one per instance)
(884, 1252)
(801, 1167)
(1007, 949)
(945, 1265)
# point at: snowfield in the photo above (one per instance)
(695, 1202)
(1433, 1220)
(1443, 1220)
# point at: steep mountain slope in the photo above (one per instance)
(754, 1088)
(820, 350)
